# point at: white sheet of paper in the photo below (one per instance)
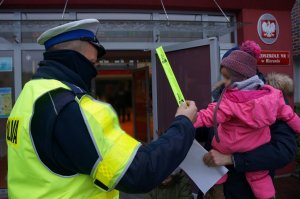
(203, 176)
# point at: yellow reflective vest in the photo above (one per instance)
(28, 177)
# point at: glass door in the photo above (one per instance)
(30, 63)
(141, 104)
(196, 67)
(7, 98)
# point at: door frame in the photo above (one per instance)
(214, 66)
(17, 49)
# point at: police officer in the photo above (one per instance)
(62, 143)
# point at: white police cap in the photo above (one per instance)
(84, 30)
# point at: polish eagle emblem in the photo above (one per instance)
(268, 29)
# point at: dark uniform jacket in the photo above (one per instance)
(62, 140)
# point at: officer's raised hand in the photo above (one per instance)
(188, 109)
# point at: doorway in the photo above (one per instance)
(124, 81)
(196, 67)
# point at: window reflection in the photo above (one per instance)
(30, 61)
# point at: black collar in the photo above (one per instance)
(69, 66)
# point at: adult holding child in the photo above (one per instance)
(267, 153)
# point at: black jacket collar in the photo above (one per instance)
(69, 66)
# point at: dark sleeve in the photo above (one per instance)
(154, 162)
(202, 134)
(60, 136)
(74, 149)
(274, 155)
(157, 160)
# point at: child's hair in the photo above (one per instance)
(282, 82)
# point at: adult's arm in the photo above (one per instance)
(156, 161)
(70, 149)
(274, 155)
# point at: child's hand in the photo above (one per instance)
(214, 158)
(188, 109)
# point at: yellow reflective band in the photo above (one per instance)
(170, 75)
(21, 151)
(116, 148)
(116, 160)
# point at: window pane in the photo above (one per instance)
(31, 29)
(6, 101)
(9, 31)
(30, 61)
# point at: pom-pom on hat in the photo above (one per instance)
(84, 30)
(243, 61)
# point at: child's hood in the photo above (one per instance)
(256, 108)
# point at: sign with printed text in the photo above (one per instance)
(274, 58)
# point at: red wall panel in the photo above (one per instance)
(284, 43)
(250, 18)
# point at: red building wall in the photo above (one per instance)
(250, 18)
(284, 43)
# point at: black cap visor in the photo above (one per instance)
(94, 41)
(101, 50)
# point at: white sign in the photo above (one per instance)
(268, 28)
(203, 176)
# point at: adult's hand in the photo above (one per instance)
(188, 109)
(214, 158)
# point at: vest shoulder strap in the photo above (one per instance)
(79, 92)
(61, 98)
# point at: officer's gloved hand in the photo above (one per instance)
(188, 109)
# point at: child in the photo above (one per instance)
(244, 112)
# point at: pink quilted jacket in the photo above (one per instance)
(244, 118)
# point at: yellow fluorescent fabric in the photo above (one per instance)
(29, 177)
(119, 146)
(170, 75)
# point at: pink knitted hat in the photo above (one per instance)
(243, 61)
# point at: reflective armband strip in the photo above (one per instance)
(115, 148)
(116, 162)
